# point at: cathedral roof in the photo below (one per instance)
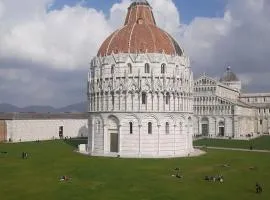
(140, 34)
(229, 76)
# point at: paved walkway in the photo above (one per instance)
(234, 149)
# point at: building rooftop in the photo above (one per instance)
(38, 116)
(229, 76)
(140, 34)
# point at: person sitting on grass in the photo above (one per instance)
(24, 155)
(64, 178)
(220, 178)
(258, 188)
(178, 173)
(226, 165)
(252, 168)
(214, 178)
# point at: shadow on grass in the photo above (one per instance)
(74, 142)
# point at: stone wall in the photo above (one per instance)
(47, 129)
(3, 131)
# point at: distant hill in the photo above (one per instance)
(38, 109)
(5, 107)
(78, 107)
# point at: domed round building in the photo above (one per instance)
(140, 92)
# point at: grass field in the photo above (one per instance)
(114, 178)
(261, 143)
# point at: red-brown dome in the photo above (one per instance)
(140, 34)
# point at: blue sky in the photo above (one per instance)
(188, 8)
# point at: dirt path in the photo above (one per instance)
(234, 149)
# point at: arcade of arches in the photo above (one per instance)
(140, 134)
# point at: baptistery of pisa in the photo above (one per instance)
(140, 92)
(143, 101)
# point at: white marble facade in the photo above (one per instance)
(221, 110)
(261, 102)
(140, 105)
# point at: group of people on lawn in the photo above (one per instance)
(218, 178)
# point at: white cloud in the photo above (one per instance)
(64, 38)
(67, 38)
(240, 38)
(118, 13)
(22, 75)
(1, 9)
(166, 15)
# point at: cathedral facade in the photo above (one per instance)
(140, 92)
(222, 110)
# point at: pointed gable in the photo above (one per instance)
(205, 80)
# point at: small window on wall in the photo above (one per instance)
(129, 68)
(163, 66)
(112, 69)
(143, 98)
(167, 98)
(149, 127)
(61, 132)
(130, 127)
(147, 68)
(167, 128)
(177, 69)
(261, 122)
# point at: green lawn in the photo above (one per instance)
(261, 143)
(121, 179)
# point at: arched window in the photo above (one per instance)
(143, 98)
(129, 68)
(98, 126)
(149, 127)
(112, 69)
(130, 127)
(167, 128)
(147, 68)
(163, 68)
(167, 98)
